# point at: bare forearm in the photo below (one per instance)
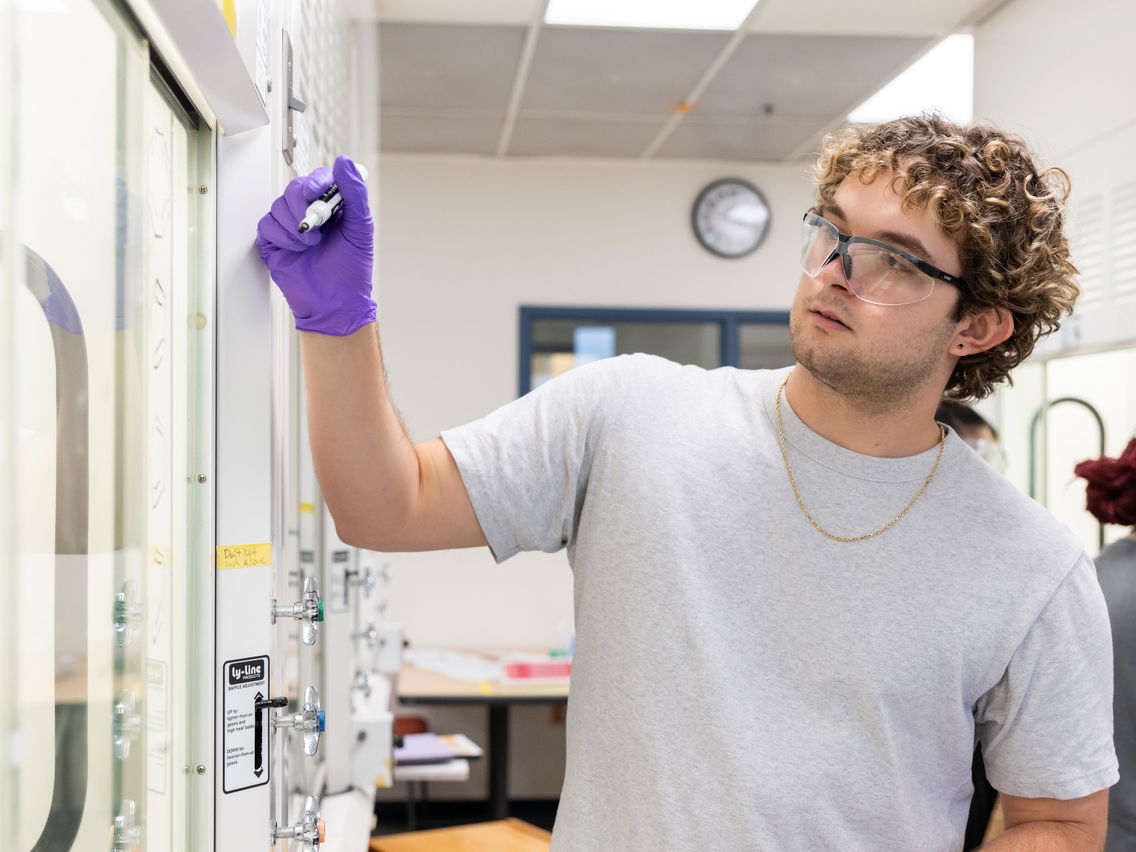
(367, 468)
(1046, 836)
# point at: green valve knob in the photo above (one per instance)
(319, 610)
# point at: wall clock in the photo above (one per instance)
(730, 217)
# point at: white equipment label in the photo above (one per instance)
(246, 736)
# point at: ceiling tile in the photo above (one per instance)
(440, 134)
(816, 17)
(441, 65)
(867, 17)
(582, 138)
(755, 139)
(805, 75)
(454, 11)
(589, 70)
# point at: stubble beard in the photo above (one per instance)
(879, 383)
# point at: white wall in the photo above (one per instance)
(463, 242)
(1060, 74)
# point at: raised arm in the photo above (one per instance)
(384, 492)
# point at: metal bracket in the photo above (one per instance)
(292, 103)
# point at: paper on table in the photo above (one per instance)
(454, 664)
(422, 748)
(462, 745)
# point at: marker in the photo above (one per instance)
(324, 207)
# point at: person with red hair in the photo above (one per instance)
(1111, 497)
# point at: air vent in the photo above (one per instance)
(1124, 244)
(1087, 239)
(320, 37)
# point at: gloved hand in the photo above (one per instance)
(324, 273)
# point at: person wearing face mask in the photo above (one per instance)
(1110, 495)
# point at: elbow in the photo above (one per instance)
(353, 536)
(366, 537)
(367, 531)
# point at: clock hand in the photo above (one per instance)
(747, 214)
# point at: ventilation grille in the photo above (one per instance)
(1124, 244)
(1088, 252)
(321, 65)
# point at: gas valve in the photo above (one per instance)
(126, 723)
(127, 613)
(369, 635)
(363, 683)
(309, 610)
(365, 580)
(127, 835)
(309, 721)
(309, 831)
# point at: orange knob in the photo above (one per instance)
(320, 829)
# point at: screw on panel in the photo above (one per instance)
(203, 189)
(200, 769)
(202, 478)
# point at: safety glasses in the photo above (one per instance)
(875, 272)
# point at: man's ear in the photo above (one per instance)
(982, 330)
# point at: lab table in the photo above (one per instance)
(423, 687)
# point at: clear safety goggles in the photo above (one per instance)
(875, 272)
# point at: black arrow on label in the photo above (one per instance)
(259, 704)
(257, 737)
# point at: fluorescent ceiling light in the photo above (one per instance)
(650, 14)
(942, 80)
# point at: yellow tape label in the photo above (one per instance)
(244, 555)
(307, 508)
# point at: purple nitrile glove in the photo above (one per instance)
(324, 273)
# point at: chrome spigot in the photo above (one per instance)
(127, 613)
(365, 580)
(126, 724)
(309, 610)
(369, 635)
(309, 721)
(363, 683)
(309, 831)
(127, 835)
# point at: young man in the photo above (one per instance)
(799, 600)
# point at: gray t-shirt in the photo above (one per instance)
(1116, 569)
(741, 682)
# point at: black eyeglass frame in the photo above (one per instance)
(843, 240)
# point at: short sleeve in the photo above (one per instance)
(1046, 727)
(526, 465)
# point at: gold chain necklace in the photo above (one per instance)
(801, 503)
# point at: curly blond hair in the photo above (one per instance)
(1006, 216)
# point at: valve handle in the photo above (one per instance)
(309, 609)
